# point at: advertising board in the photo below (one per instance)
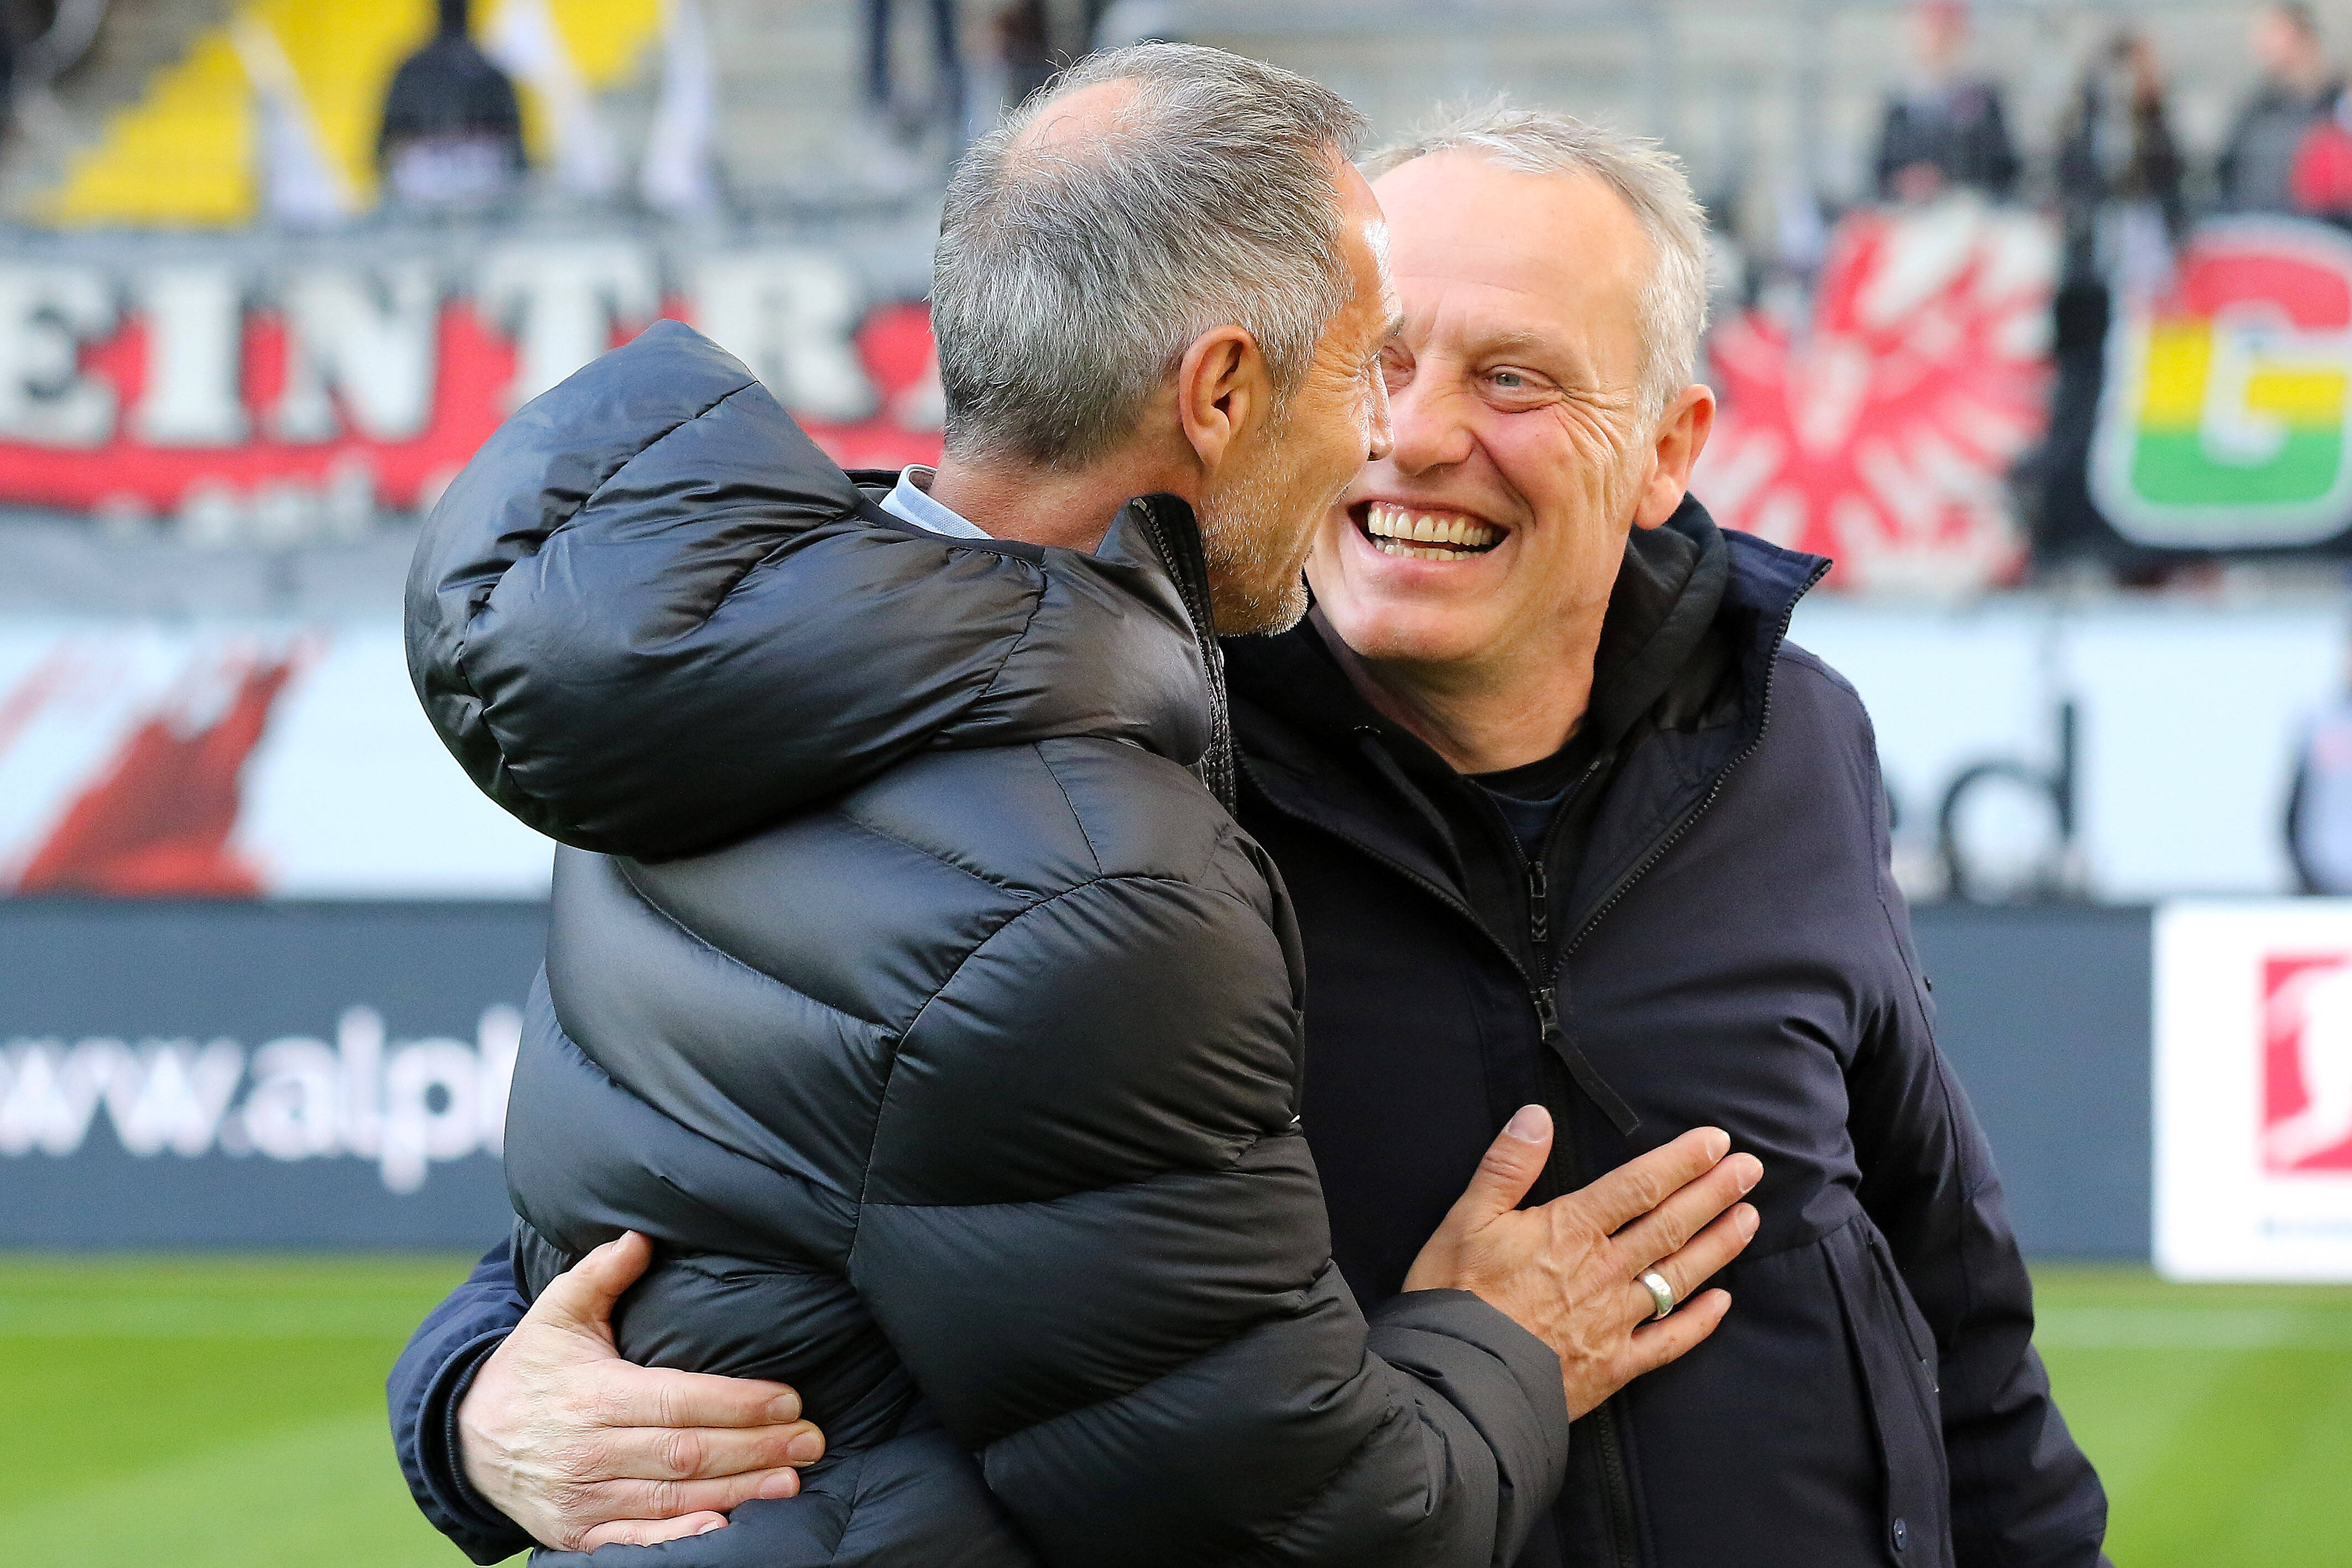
(245, 1074)
(271, 388)
(236, 759)
(2253, 1091)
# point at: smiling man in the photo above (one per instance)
(1567, 820)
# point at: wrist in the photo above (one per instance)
(476, 1522)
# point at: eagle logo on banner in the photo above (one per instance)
(1881, 432)
(2223, 421)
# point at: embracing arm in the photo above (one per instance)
(1092, 1228)
(425, 1389)
(515, 1427)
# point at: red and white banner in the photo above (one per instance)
(246, 392)
(1881, 432)
(233, 761)
(2253, 1091)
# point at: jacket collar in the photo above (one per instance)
(1694, 622)
(651, 616)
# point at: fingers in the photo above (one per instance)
(581, 1297)
(646, 1504)
(1507, 1169)
(706, 1453)
(1708, 1252)
(626, 1394)
(650, 1531)
(1667, 1227)
(1671, 1338)
(1639, 1185)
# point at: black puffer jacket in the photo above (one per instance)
(907, 986)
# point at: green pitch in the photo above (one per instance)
(203, 1412)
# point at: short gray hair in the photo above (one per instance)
(1648, 178)
(1070, 279)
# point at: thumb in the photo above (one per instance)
(580, 1299)
(1507, 1169)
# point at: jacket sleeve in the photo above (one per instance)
(1092, 1228)
(427, 1385)
(2024, 1495)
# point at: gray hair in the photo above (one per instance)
(1648, 178)
(1070, 279)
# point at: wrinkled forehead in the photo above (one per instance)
(1514, 255)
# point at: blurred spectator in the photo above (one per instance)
(676, 176)
(1129, 22)
(7, 73)
(452, 133)
(1945, 128)
(1024, 47)
(947, 100)
(2319, 807)
(2256, 173)
(2119, 174)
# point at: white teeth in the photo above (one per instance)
(1395, 531)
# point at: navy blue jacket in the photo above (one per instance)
(1710, 935)
(1714, 938)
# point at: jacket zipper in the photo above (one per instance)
(1683, 824)
(1189, 569)
(1600, 1422)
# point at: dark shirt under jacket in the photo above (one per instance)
(1712, 925)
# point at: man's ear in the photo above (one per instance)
(1222, 390)
(1682, 437)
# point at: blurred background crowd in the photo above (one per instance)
(2034, 315)
(2036, 309)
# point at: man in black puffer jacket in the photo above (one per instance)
(906, 982)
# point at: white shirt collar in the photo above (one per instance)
(910, 501)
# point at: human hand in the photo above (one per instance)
(583, 1450)
(1569, 1271)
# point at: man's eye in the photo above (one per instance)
(1510, 380)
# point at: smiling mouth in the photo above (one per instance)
(1397, 530)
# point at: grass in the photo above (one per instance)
(227, 1412)
(208, 1412)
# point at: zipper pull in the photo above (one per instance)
(1539, 903)
(1548, 1014)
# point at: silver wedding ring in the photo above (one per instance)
(1660, 1292)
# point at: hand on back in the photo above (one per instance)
(583, 1450)
(1568, 1271)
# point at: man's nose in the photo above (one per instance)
(1426, 430)
(1384, 434)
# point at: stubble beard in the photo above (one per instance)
(1242, 528)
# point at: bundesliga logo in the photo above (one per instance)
(2307, 1064)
